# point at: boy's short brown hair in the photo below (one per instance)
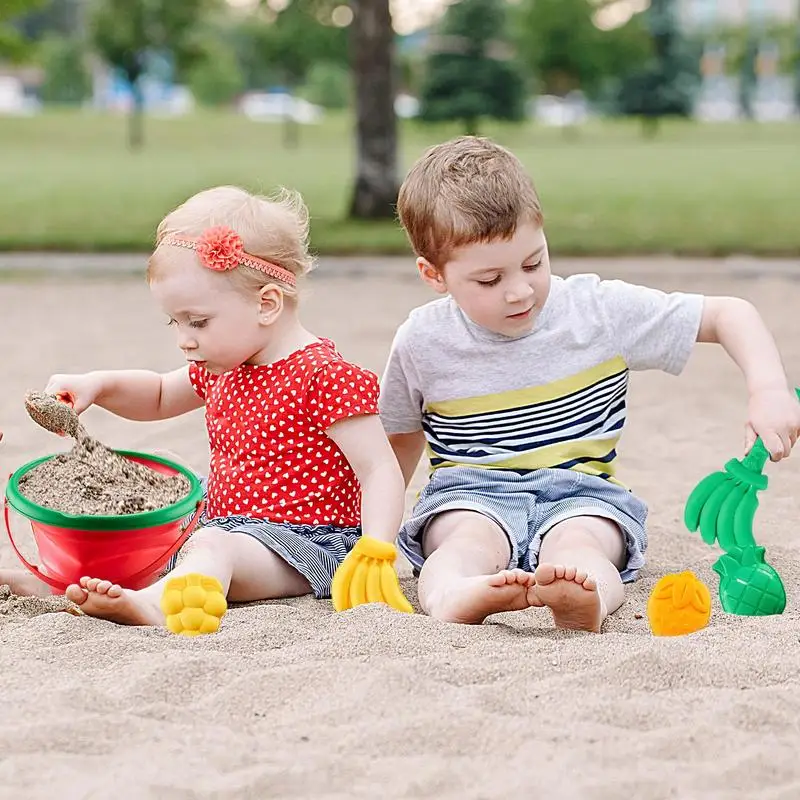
(464, 191)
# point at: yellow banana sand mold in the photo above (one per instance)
(367, 575)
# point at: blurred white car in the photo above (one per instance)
(13, 100)
(561, 111)
(277, 106)
(406, 106)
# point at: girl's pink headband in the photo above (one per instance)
(222, 249)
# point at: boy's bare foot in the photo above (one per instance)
(107, 600)
(471, 600)
(571, 595)
(23, 584)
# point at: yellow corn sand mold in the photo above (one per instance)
(193, 604)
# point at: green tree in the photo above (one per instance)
(66, 78)
(328, 85)
(625, 49)
(283, 50)
(471, 73)
(125, 32)
(55, 18)
(665, 85)
(560, 45)
(13, 45)
(289, 44)
(371, 57)
(796, 60)
(216, 78)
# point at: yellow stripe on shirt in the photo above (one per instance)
(530, 395)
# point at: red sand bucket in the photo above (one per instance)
(127, 549)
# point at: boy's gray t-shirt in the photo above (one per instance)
(554, 397)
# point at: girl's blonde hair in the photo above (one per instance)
(273, 228)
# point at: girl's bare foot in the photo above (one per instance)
(107, 600)
(571, 595)
(471, 600)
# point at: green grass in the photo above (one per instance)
(68, 182)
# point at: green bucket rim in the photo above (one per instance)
(107, 522)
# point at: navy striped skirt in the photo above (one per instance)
(315, 551)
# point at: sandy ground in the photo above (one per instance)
(291, 700)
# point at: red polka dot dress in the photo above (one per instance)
(274, 473)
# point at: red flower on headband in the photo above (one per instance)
(220, 248)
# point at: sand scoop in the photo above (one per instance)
(54, 413)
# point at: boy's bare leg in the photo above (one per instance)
(24, 583)
(246, 569)
(578, 572)
(464, 577)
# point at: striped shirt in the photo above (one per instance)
(553, 398)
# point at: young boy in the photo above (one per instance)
(516, 380)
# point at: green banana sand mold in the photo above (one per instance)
(723, 507)
(724, 504)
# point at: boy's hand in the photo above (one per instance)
(774, 415)
(83, 390)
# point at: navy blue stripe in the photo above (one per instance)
(477, 450)
(600, 419)
(606, 459)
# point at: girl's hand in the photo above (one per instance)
(774, 415)
(80, 390)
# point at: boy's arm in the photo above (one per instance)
(133, 394)
(773, 409)
(408, 449)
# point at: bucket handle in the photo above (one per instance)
(59, 584)
(56, 584)
(181, 540)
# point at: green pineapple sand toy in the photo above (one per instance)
(748, 585)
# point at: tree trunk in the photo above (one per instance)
(291, 128)
(651, 124)
(470, 125)
(372, 61)
(136, 120)
(291, 132)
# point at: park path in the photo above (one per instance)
(38, 264)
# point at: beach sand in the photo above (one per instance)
(291, 700)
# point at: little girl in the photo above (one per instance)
(299, 459)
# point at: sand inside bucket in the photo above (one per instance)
(91, 479)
